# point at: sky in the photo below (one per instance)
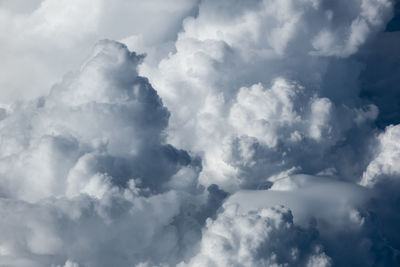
(199, 133)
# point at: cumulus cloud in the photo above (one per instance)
(387, 155)
(116, 229)
(335, 209)
(253, 133)
(85, 171)
(254, 81)
(266, 237)
(110, 117)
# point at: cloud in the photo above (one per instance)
(261, 93)
(120, 228)
(315, 205)
(308, 197)
(43, 33)
(266, 237)
(253, 133)
(387, 154)
(85, 171)
(111, 118)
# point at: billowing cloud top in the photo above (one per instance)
(239, 133)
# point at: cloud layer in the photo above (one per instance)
(240, 133)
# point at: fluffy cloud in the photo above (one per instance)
(117, 229)
(385, 162)
(85, 171)
(259, 87)
(266, 237)
(112, 118)
(315, 205)
(253, 141)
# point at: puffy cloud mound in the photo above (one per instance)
(121, 228)
(101, 124)
(85, 171)
(382, 176)
(385, 163)
(267, 83)
(266, 237)
(265, 134)
(274, 129)
(338, 211)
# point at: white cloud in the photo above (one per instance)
(110, 117)
(250, 77)
(120, 228)
(266, 237)
(87, 176)
(249, 105)
(387, 155)
(333, 211)
(308, 196)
